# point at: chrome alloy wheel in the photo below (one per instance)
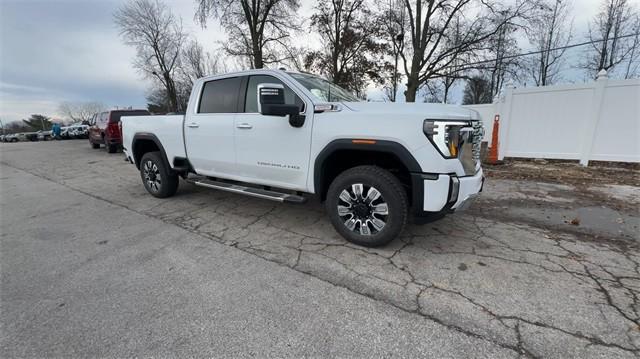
(152, 176)
(364, 213)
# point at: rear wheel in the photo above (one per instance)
(94, 145)
(159, 180)
(112, 148)
(367, 205)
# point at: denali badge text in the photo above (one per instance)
(279, 165)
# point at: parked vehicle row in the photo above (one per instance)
(76, 131)
(13, 137)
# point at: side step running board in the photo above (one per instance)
(249, 191)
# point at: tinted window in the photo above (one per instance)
(115, 115)
(220, 96)
(251, 104)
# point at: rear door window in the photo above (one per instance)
(220, 96)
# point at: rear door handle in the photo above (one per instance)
(244, 126)
(193, 125)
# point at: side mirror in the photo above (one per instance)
(270, 94)
(271, 102)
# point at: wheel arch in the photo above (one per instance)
(146, 142)
(372, 151)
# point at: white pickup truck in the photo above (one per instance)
(285, 136)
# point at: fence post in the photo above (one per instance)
(505, 119)
(596, 112)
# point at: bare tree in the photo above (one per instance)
(616, 19)
(633, 63)
(80, 111)
(428, 54)
(433, 90)
(459, 63)
(393, 23)
(351, 52)
(551, 28)
(157, 35)
(502, 46)
(438, 88)
(197, 63)
(258, 30)
(477, 90)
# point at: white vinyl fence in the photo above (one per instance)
(594, 121)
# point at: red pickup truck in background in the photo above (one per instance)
(104, 128)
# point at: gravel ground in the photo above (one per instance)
(533, 269)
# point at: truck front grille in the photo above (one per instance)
(478, 134)
(470, 149)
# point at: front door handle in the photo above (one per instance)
(193, 125)
(244, 126)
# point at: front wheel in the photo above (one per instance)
(367, 205)
(157, 177)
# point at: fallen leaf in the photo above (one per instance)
(575, 221)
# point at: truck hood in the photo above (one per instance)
(420, 110)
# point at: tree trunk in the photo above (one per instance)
(412, 89)
(258, 63)
(171, 93)
(412, 77)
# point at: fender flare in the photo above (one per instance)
(384, 146)
(151, 137)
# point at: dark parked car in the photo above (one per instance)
(104, 128)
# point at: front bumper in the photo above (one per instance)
(437, 193)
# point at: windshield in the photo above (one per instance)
(324, 90)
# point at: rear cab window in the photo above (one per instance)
(220, 96)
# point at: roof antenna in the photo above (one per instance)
(282, 69)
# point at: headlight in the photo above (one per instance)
(448, 136)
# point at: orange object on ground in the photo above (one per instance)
(493, 150)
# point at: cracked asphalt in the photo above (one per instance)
(511, 277)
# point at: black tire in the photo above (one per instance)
(94, 145)
(371, 213)
(112, 148)
(168, 180)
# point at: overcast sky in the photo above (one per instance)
(69, 50)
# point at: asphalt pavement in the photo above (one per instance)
(91, 265)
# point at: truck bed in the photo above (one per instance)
(167, 129)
